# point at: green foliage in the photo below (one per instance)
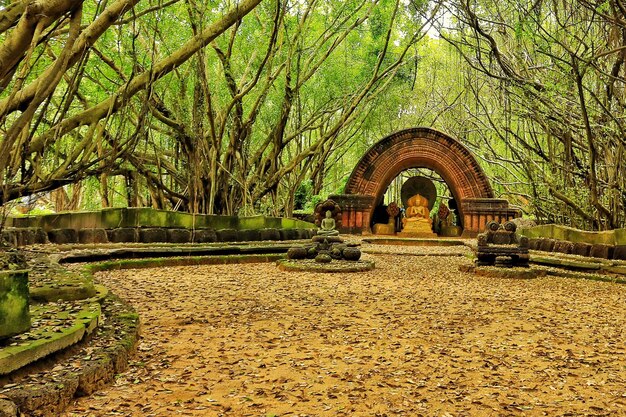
(275, 111)
(303, 195)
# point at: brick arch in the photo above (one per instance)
(421, 148)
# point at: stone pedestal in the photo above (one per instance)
(14, 299)
(477, 212)
(355, 212)
(502, 247)
(417, 229)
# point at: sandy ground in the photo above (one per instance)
(414, 337)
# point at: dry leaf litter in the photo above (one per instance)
(414, 337)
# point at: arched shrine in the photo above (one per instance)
(421, 148)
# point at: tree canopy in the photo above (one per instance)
(240, 107)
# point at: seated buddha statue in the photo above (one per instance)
(417, 216)
(327, 225)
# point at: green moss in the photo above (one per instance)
(64, 285)
(133, 317)
(147, 217)
(111, 218)
(253, 223)
(289, 223)
(553, 231)
(14, 296)
(620, 236)
(565, 263)
(273, 223)
(184, 220)
(222, 222)
(534, 232)
(47, 340)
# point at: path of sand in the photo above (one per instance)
(414, 337)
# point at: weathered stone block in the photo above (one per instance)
(221, 222)
(547, 245)
(252, 222)
(112, 218)
(564, 246)
(620, 237)
(619, 253)
(329, 239)
(24, 221)
(152, 235)
(123, 235)
(273, 223)
(84, 220)
(9, 237)
(559, 233)
(177, 219)
(303, 234)
(63, 236)
(288, 234)
(179, 235)
(249, 235)
(148, 217)
(534, 243)
(299, 252)
(92, 236)
(14, 314)
(269, 234)
(601, 251)
(204, 236)
(352, 254)
(40, 236)
(31, 236)
(227, 235)
(581, 248)
(294, 223)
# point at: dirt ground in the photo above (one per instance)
(414, 337)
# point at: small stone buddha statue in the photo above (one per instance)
(327, 225)
(417, 216)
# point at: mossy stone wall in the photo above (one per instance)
(553, 231)
(147, 217)
(14, 314)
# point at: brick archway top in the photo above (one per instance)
(419, 148)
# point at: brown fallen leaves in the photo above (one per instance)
(414, 337)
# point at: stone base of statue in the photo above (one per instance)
(417, 229)
(326, 252)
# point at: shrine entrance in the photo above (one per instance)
(421, 148)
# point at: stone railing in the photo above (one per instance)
(146, 225)
(609, 244)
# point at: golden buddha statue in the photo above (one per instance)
(417, 219)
